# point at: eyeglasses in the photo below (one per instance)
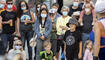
(9, 3)
(23, 5)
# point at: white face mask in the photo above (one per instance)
(18, 47)
(38, 9)
(43, 15)
(87, 10)
(55, 9)
(75, 4)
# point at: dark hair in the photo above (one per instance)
(36, 11)
(55, 4)
(19, 11)
(44, 5)
(40, 18)
(9, 1)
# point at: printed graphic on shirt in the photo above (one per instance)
(25, 17)
(42, 30)
(70, 40)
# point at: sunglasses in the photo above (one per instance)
(23, 5)
(18, 44)
(9, 3)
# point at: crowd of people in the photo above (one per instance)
(76, 33)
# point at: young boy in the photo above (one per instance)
(47, 54)
(73, 43)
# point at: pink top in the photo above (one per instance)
(88, 55)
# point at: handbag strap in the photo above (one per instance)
(34, 36)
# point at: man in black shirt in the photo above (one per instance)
(73, 41)
(75, 7)
(8, 18)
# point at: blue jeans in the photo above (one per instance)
(5, 39)
(102, 54)
(27, 35)
(85, 37)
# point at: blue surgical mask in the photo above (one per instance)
(75, 4)
(9, 6)
(23, 8)
(43, 15)
(1, 5)
(64, 13)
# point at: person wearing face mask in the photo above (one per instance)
(61, 27)
(14, 8)
(8, 18)
(75, 7)
(17, 49)
(53, 16)
(2, 4)
(43, 28)
(55, 6)
(87, 23)
(37, 10)
(87, 9)
(25, 19)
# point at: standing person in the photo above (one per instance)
(87, 21)
(73, 41)
(37, 10)
(61, 28)
(54, 16)
(2, 4)
(88, 49)
(25, 19)
(97, 35)
(8, 18)
(74, 7)
(43, 27)
(86, 9)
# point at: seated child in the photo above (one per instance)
(47, 54)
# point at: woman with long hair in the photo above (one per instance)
(25, 19)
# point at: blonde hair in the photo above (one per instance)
(15, 43)
(46, 43)
(86, 43)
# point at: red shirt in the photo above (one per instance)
(13, 8)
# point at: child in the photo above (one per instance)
(87, 2)
(73, 43)
(88, 48)
(47, 54)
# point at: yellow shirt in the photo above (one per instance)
(1, 11)
(61, 22)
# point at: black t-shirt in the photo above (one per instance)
(87, 23)
(74, 10)
(72, 39)
(6, 16)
